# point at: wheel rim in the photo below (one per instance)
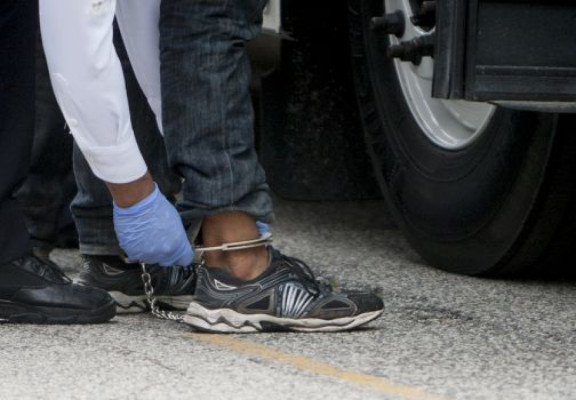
(450, 124)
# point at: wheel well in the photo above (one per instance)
(311, 141)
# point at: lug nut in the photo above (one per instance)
(413, 50)
(404, 52)
(392, 24)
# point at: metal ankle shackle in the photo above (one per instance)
(263, 240)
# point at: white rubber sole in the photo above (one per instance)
(137, 304)
(128, 304)
(230, 321)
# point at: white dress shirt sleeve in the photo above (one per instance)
(89, 84)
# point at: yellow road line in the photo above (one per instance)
(316, 367)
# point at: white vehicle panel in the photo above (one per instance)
(272, 22)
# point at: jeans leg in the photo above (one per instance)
(207, 110)
(18, 26)
(92, 206)
(49, 188)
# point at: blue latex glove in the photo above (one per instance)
(263, 227)
(151, 231)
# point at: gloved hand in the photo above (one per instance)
(151, 231)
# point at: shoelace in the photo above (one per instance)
(184, 273)
(318, 285)
(50, 270)
(172, 280)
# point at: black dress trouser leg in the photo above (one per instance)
(18, 26)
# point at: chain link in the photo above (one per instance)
(152, 300)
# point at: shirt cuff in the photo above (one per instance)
(121, 163)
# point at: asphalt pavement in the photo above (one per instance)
(442, 336)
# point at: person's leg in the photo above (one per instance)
(49, 188)
(30, 290)
(208, 123)
(208, 126)
(17, 36)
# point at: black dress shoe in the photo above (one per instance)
(36, 291)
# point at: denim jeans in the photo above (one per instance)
(207, 109)
(208, 121)
(49, 188)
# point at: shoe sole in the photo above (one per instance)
(129, 304)
(29, 314)
(229, 321)
(126, 304)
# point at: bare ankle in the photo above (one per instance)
(242, 264)
(232, 227)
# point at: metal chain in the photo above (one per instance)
(152, 300)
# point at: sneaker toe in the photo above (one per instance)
(366, 302)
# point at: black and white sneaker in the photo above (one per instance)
(173, 286)
(285, 297)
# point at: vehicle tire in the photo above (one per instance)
(499, 202)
